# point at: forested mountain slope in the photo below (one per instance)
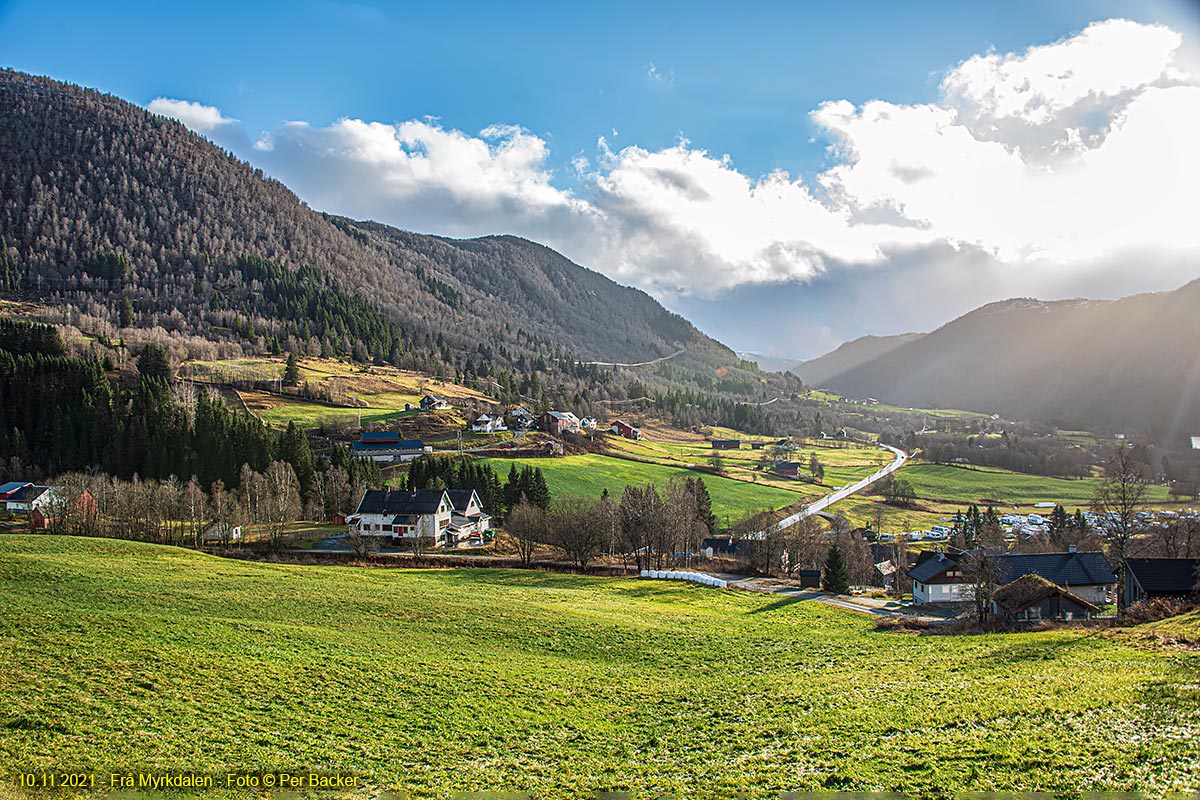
(105, 202)
(818, 371)
(1129, 364)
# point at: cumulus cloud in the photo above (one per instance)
(1048, 160)
(198, 117)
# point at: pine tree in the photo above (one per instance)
(539, 492)
(291, 373)
(837, 576)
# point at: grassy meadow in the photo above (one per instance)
(382, 391)
(589, 475)
(127, 655)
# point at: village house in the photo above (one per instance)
(221, 533)
(24, 496)
(621, 428)
(1031, 597)
(520, 418)
(726, 444)
(486, 424)
(940, 578)
(788, 469)
(386, 447)
(431, 402)
(1152, 578)
(588, 424)
(396, 515)
(468, 520)
(557, 423)
(46, 514)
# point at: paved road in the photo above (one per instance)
(841, 494)
(863, 605)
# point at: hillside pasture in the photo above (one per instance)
(380, 393)
(589, 475)
(133, 656)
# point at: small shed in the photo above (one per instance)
(809, 578)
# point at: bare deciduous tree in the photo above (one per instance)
(529, 527)
(1119, 498)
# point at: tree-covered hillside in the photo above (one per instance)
(121, 218)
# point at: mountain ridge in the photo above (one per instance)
(1107, 364)
(107, 202)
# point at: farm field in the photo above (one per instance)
(982, 484)
(378, 393)
(943, 489)
(844, 462)
(121, 654)
(591, 474)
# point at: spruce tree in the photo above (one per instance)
(837, 577)
(291, 373)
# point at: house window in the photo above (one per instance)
(387, 527)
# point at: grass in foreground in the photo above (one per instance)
(119, 654)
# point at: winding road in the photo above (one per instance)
(841, 494)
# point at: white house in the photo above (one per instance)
(588, 424)
(221, 532)
(431, 402)
(404, 515)
(468, 519)
(23, 496)
(486, 424)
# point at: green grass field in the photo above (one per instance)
(132, 656)
(979, 484)
(591, 474)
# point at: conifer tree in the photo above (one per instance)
(837, 576)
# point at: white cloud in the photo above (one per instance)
(1045, 161)
(198, 117)
(657, 75)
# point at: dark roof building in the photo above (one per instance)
(940, 577)
(1149, 578)
(388, 502)
(1032, 597)
(380, 436)
(726, 444)
(1065, 569)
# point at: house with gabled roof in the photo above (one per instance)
(1152, 578)
(557, 423)
(486, 424)
(1031, 597)
(468, 520)
(621, 428)
(431, 402)
(398, 515)
(939, 577)
(20, 496)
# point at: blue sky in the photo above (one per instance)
(644, 76)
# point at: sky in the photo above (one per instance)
(788, 176)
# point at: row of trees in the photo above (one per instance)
(650, 527)
(171, 511)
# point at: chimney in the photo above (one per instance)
(941, 556)
(1072, 548)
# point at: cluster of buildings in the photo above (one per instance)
(444, 517)
(1034, 586)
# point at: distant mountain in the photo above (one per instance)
(1129, 364)
(852, 354)
(770, 363)
(104, 202)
